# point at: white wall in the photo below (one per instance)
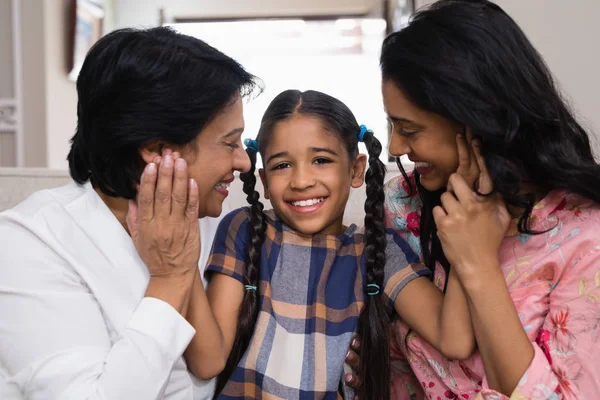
(34, 83)
(566, 34)
(61, 94)
(6, 56)
(7, 138)
(135, 13)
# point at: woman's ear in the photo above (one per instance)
(151, 150)
(358, 171)
(263, 178)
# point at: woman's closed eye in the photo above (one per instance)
(407, 132)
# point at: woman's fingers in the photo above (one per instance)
(193, 202)
(180, 189)
(352, 381)
(485, 182)
(162, 205)
(353, 360)
(145, 201)
(473, 166)
(461, 189)
(438, 215)
(467, 165)
(449, 202)
(464, 154)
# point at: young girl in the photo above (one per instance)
(290, 286)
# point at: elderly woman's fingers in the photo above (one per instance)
(164, 186)
(193, 203)
(145, 200)
(180, 189)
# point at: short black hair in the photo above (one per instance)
(142, 86)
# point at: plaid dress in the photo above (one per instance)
(311, 292)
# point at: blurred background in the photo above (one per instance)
(327, 45)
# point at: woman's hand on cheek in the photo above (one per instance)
(468, 167)
(163, 222)
(471, 227)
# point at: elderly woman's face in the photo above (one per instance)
(217, 153)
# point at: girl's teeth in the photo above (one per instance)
(305, 203)
(222, 185)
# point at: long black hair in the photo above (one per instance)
(468, 61)
(373, 323)
(141, 86)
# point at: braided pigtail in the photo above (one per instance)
(249, 308)
(373, 322)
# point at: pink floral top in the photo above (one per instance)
(554, 281)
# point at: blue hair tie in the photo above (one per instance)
(250, 287)
(251, 144)
(361, 134)
(372, 289)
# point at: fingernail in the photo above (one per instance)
(460, 136)
(167, 151)
(193, 183)
(349, 378)
(349, 356)
(151, 168)
(355, 342)
(180, 164)
(168, 161)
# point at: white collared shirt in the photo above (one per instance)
(74, 322)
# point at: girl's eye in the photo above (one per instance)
(280, 166)
(233, 145)
(322, 161)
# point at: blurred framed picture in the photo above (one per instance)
(86, 17)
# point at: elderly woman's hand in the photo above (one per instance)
(163, 222)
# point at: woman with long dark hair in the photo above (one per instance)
(465, 90)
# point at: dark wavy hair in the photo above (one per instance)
(142, 86)
(469, 62)
(373, 323)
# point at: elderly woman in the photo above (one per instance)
(97, 277)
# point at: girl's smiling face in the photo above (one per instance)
(308, 174)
